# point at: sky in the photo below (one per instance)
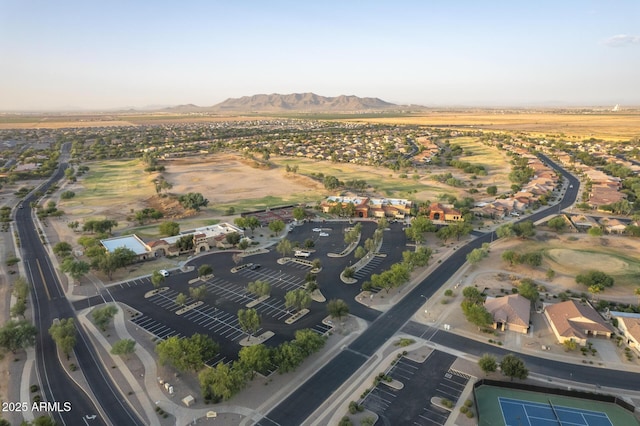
(99, 55)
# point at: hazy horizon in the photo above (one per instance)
(72, 56)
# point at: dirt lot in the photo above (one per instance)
(227, 178)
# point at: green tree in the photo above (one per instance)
(181, 299)
(570, 345)
(594, 289)
(528, 289)
(419, 226)
(44, 421)
(595, 278)
(505, 231)
(124, 347)
(221, 382)
(337, 308)
(524, 229)
(309, 341)
(103, 316)
(198, 293)
(287, 357)
(186, 354)
(233, 238)
(476, 255)
(492, 190)
(297, 299)
(62, 249)
(595, 231)
(16, 335)
(476, 314)
(249, 321)
(299, 213)
(284, 247)
(205, 270)
(557, 223)
(20, 288)
(76, 268)
(510, 256)
(169, 229)
(63, 333)
(513, 367)
(550, 274)
(157, 279)
(256, 358)
(193, 200)
(360, 252)
(19, 308)
(252, 223)
(276, 226)
(488, 363)
(185, 243)
(259, 288)
(472, 294)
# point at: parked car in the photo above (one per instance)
(323, 234)
(164, 272)
(254, 266)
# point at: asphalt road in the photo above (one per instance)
(595, 376)
(49, 303)
(227, 301)
(298, 406)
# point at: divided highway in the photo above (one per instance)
(49, 302)
(296, 408)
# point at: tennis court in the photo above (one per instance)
(526, 413)
(503, 404)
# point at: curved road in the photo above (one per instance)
(298, 406)
(49, 302)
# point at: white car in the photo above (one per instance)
(317, 229)
(164, 272)
(324, 234)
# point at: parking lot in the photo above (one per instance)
(227, 291)
(422, 382)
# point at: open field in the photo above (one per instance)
(110, 185)
(605, 125)
(227, 180)
(114, 189)
(572, 254)
(578, 124)
(385, 182)
(494, 160)
(37, 121)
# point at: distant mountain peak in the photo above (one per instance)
(301, 102)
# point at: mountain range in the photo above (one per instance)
(301, 102)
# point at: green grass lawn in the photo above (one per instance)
(114, 182)
(384, 181)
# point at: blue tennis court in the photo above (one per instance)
(526, 413)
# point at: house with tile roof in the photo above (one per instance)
(439, 213)
(509, 312)
(629, 325)
(577, 321)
